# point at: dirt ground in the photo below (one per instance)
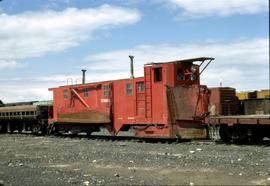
(48, 160)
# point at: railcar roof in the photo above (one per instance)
(201, 59)
(99, 82)
(20, 103)
(18, 108)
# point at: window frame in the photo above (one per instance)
(106, 90)
(140, 87)
(65, 94)
(183, 77)
(158, 74)
(129, 89)
(85, 92)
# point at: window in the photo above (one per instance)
(65, 94)
(106, 90)
(86, 92)
(158, 74)
(179, 75)
(129, 89)
(141, 87)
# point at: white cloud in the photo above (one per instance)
(9, 64)
(205, 8)
(62, 78)
(32, 34)
(25, 92)
(18, 89)
(242, 64)
(34, 88)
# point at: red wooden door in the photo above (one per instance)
(140, 99)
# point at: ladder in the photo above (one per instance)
(148, 92)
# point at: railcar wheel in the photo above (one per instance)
(53, 129)
(225, 133)
(257, 135)
(88, 133)
(10, 128)
(43, 130)
(20, 128)
(257, 138)
(35, 129)
(3, 128)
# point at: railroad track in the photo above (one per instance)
(123, 139)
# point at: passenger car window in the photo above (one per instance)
(86, 92)
(141, 87)
(106, 90)
(180, 75)
(158, 74)
(65, 94)
(129, 89)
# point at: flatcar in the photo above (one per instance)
(168, 102)
(25, 116)
(237, 120)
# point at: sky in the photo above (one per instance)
(44, 44)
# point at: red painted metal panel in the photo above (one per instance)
(140, 99)
(223, 101)
(148, 91)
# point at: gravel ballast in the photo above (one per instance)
(49, 160)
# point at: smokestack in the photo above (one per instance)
(83, 76)
(131, 67)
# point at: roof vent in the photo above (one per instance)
(83, 76)
(131, 67)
